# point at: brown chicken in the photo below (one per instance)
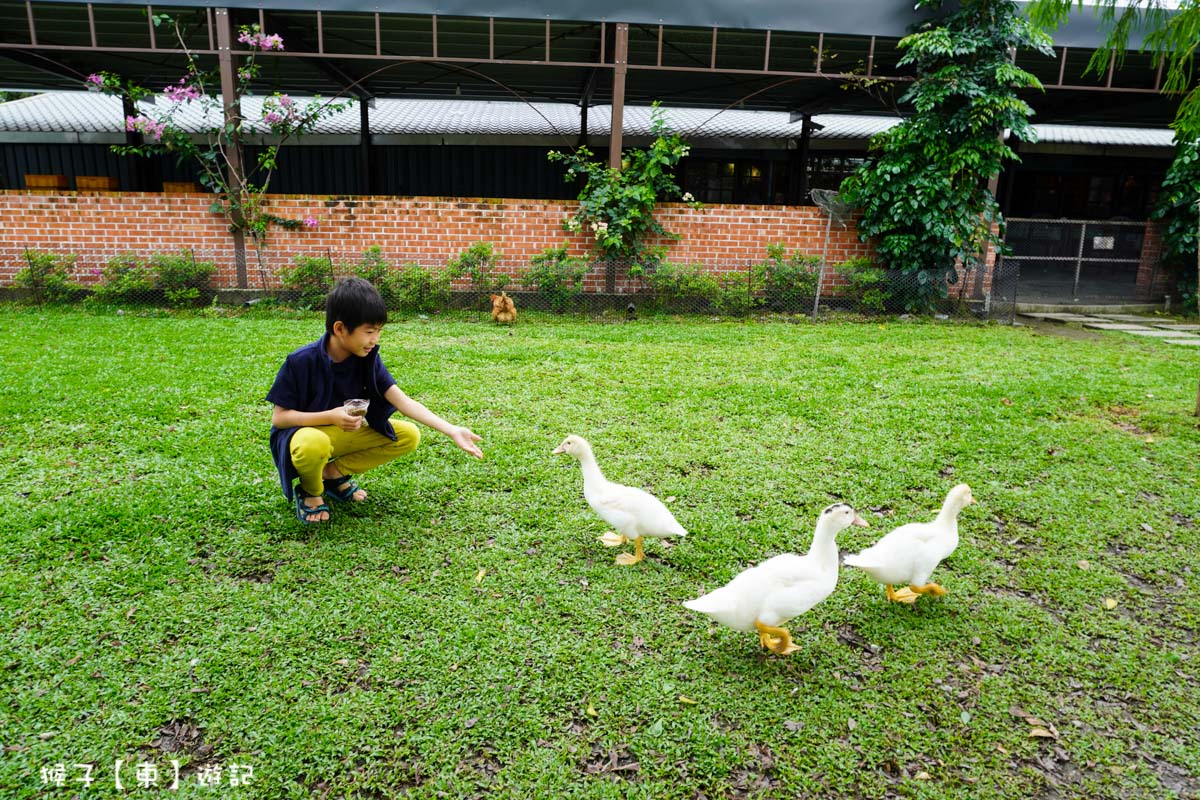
(503, 309)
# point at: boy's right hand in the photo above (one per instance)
(345, 421)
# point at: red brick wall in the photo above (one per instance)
(1152, 278)
(429, 230)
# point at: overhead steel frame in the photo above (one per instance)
(220, 31)
(221, 45)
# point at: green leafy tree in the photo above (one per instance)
(617, 205)
(1178, 210)
(923, 189)
(1171, 32)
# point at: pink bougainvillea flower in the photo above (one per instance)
(95, 82)
(182, 92)
(255, 38)
(273, 117)
(147, 127)
(310, 222)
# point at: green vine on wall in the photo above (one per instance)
(1178, 209)
(923, 190)
(617, 205)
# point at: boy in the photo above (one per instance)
(316, 440)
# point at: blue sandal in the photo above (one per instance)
(306, 513)
(344, 495)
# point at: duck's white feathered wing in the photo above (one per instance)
(761, 589)
(892, 558)
(627, 508)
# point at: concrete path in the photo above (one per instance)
(1170, 332)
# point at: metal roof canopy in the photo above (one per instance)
(754, 54)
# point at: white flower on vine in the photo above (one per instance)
(688, 197)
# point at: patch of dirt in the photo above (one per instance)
(1148, 585)
(611, 763)
(757, 775)
(1122, 418)
(847, 635)
(1060, 330)
(1174, 777)
(182, 736)
(360, 675)
(1061, 774)
(700, 468)
(483, 762)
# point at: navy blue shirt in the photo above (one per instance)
(306, 383)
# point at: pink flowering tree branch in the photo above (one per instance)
(210, 145)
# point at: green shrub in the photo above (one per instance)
(184, 281)
(48, 277)
(869, 285)
(739, 294)
(126, 280)
(557, 276)
(672, 283)
(421, 289)
(789, 282)
(311, 277)
(376, 269)
(478, 263)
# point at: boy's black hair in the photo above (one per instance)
(354, 302)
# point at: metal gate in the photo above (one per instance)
(1081, 261)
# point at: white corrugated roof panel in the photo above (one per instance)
(66, 112)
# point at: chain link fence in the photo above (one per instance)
(792, 284)
(1086, 262)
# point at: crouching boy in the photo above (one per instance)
(319, 443)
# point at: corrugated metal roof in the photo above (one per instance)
(87, 112)
(1081, 134)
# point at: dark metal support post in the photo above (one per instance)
(806, 130)
(620, 66)
(145, 172)
(365, 150)
(229, 99)
(617, 129)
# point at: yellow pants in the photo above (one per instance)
(352, 452)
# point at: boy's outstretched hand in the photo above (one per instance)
(465, 439)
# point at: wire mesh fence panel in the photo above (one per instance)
(1084, 261)
(555, 281)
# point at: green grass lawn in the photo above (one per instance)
(464, 634)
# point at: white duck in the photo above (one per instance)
(766, 596)
(910, 553)
(634, 513)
